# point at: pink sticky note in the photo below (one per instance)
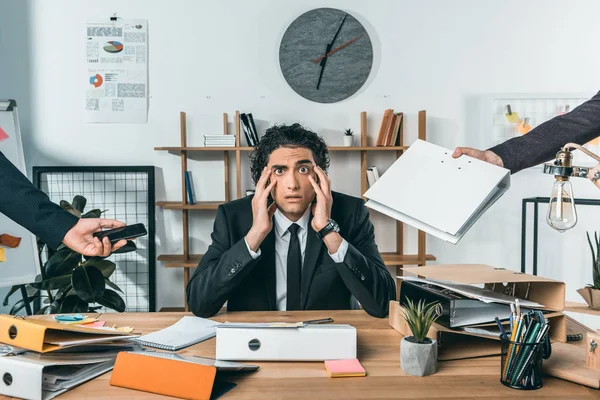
(3, 134)
(97, 324)
(343, 368)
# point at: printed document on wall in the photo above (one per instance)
(117, 71)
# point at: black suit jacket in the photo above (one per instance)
(31, 208)
(542, 143)
(227, 272)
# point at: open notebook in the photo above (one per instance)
(185, 332)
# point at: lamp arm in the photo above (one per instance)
(567, 146)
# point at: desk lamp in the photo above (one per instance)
(561, 210)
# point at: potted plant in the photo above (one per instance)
(70, 283)
(348, 137)
(418, 353)
(591, 293)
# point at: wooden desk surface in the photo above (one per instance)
(378, 351)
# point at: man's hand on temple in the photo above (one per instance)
(262, 216)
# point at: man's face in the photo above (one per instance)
(291, 168)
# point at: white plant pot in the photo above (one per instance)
(418, 359)
(348, 140)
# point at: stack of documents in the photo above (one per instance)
(443, 196)
(219, 140)
(43, 359)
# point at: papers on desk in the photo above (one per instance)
(185, 332)
(484, 295)
(443, 196)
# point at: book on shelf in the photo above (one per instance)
(390, 129)
(249, 129)
(253, 128)
(372, 175)
(189, 185)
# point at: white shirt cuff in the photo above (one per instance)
(252, 254)
(339, 255)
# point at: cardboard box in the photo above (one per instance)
(541, 290)
(456, 344)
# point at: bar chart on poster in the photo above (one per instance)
(19, 261)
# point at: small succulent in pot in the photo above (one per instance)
(348, 137)
(418, 353)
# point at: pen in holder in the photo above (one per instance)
(521, 364)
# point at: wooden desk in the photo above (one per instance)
(378, 351)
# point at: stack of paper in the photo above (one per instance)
(219, 140)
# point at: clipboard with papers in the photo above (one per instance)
(431, 191)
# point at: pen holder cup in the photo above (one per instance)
(521, 365)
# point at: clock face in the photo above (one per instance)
(326, 55)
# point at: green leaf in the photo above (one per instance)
(68, 207)
(79, 203)
(62, 263)
(106, 267)
(95, 213)
(88, 282)
(72, 304)
(52, 283)
(113, 285)
(19, 305)
(112, 300)
(129, 247)
(49, 309)
(10, 292)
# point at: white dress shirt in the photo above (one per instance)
(282, 243)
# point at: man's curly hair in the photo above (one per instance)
(291, 136)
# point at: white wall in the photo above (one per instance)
(207, 58)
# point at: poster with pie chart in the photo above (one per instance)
(112, 46)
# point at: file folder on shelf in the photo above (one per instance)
(443, 196)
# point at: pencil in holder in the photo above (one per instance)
(521, 365)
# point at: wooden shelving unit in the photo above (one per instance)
(188, 261)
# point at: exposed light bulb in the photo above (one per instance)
(561, 210)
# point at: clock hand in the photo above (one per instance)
(337, 49)
(329, 46)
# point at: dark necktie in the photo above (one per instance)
(294, 268)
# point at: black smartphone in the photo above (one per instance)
(125, 232)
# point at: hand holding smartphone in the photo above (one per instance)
(125, 232)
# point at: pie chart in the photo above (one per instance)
(96, 80)
(113, 46)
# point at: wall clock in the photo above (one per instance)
(326, 55)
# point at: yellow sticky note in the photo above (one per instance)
(513, 118)
(524, 127)
(2, 256)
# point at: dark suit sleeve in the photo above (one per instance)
(542, 143)
(220, 271)
(363, 270)
(31, 208)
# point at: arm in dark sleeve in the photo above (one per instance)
(543, 142)
(220, 271)
(31, 208)
(363, 270)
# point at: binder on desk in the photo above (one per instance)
(431, 191)
(45, 336)
(30, 377)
